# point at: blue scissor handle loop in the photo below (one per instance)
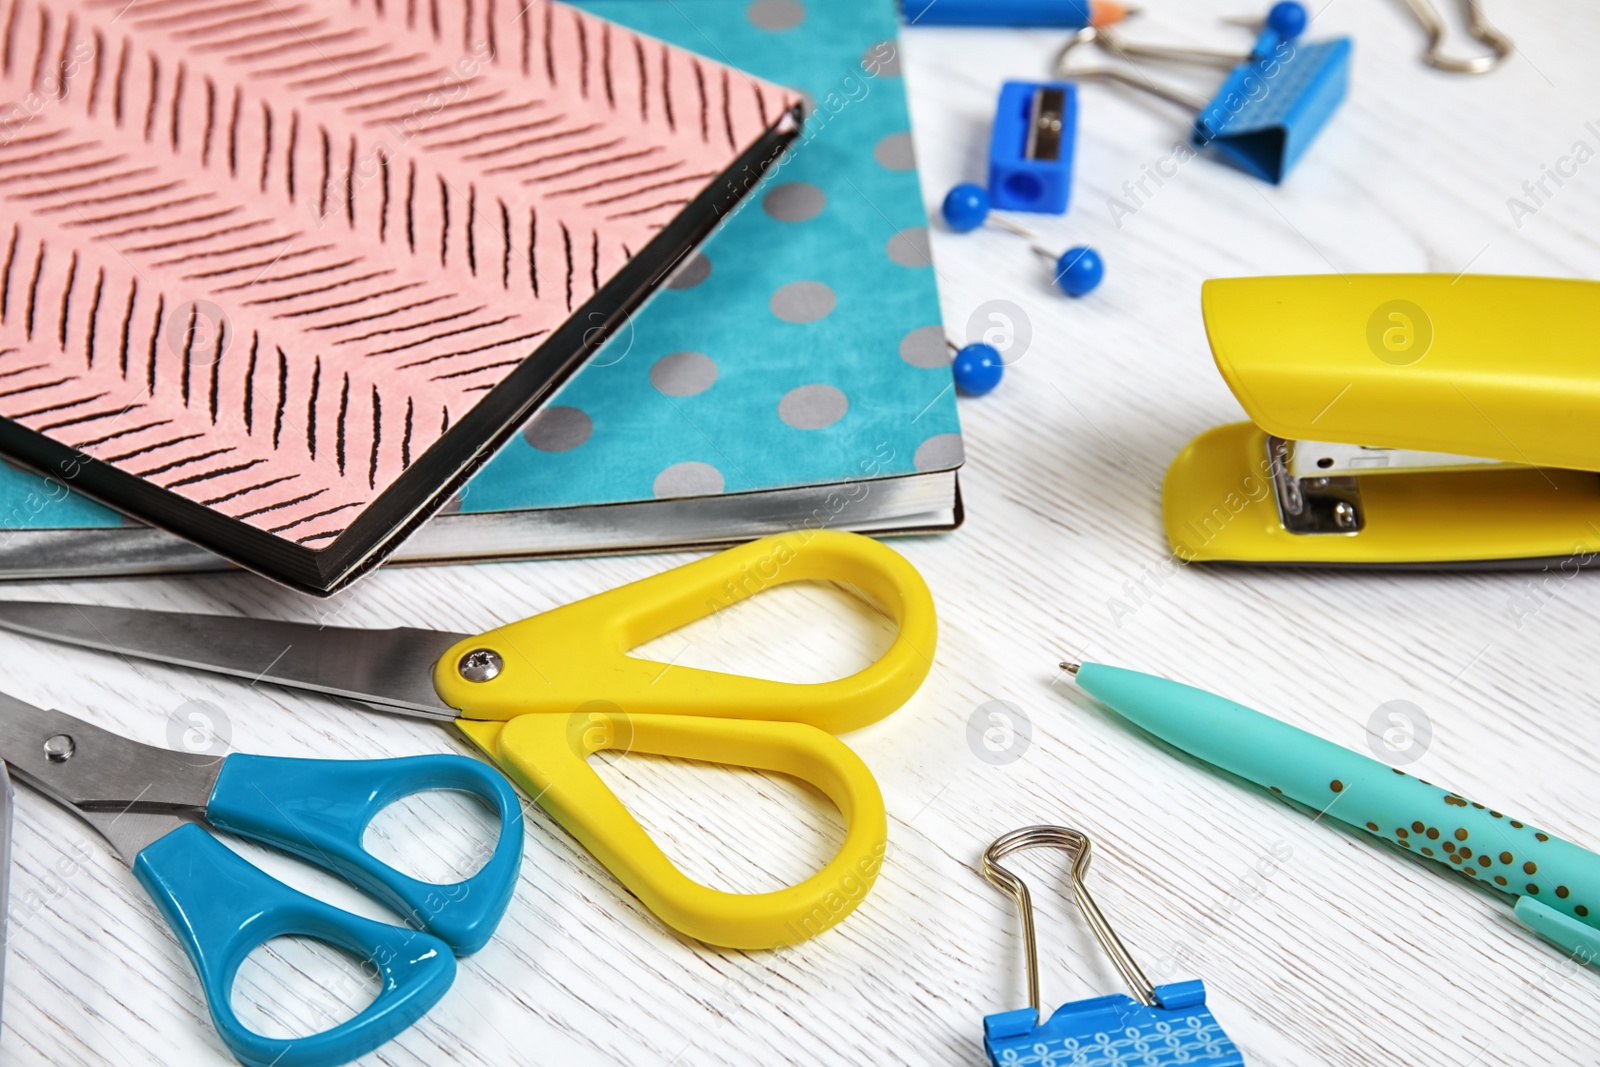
(221, 908)
(319, 810)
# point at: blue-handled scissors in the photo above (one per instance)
(146, 802)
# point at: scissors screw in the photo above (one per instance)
(481, 665)
(59, 749)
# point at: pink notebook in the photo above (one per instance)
(278, 276)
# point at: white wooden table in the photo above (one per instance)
(1316, 945)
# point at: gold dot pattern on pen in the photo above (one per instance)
(1336, 785)
(1374, 827)
(1461, 856)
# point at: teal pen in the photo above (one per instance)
(1556, 883)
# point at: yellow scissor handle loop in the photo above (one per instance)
(546, 755)
(576, 654)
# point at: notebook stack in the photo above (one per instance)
(791, 370)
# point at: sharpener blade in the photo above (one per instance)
(1046, 121)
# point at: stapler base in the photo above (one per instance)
(1221, 504)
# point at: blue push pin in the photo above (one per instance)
(1287, 19)
(1078, 271)
(966, 207)
(978, 368)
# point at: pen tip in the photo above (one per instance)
(1070, 667)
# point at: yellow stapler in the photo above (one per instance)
(1418, 420)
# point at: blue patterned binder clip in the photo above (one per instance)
(1274, 102)
(1166, 1025)
(1273, 106)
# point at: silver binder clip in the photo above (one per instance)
(1478, 28)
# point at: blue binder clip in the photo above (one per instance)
(1031, 146)
(1274, 102)
(1166, 1024)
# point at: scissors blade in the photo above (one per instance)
(390, 669)
(131, 793)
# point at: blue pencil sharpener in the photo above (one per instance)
(1031, 146)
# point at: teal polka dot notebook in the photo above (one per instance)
(794, 371)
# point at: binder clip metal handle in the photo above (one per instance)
(1191, 102)
(1111, 41)
(1478, 27)
(1079, 846)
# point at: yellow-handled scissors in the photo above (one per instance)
(542, 695)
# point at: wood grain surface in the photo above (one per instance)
(1317, 945)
